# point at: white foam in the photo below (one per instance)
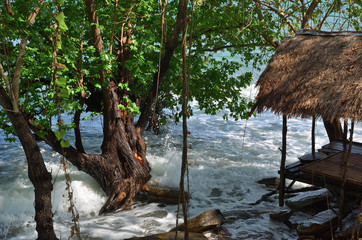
(224, 165)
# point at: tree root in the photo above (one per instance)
(119, 199)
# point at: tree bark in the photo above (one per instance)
(39, 176)
(308, 14)
(37, 172)
(123, 165)
(334, 129)
(122, 168)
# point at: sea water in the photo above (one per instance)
(226, 159)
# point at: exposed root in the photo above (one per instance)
(116, 201)
(120, 198)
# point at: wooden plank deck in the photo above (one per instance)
(331, 168)
(339, 146)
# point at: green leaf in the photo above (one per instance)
(59, 45)
(60, 134)
(65, 144)
(61, 2)
(64, 93)
(61, 82)
(98, 86)
(60, 18)
(123, 86)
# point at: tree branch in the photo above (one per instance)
(75, 157)
(281, 14)
(8, 7)
(331, 8)
(5, 77)
(19, 60)
(265, 35)
(309, 13)
(17, 72)
(108, 113)
(170, 46)
(234, 46)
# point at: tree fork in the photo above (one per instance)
(125, 166)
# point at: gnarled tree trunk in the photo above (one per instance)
(39, 176)
(333, 129)
(122, 168)
(37, 172)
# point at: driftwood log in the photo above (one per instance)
(163, 194)
(206, 221)
(209, 221)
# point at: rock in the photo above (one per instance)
(348, 225)
(215, 192)
(306, 199)
(220, 233)
(163, 194)
(255, 235)
(318, 224)
(272, 182)
(171, 236)
(280, 215)
(234, 215)
(297, 218)
(206, 221)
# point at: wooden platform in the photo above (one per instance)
(339, 146)
(329, 170)
(332, 167)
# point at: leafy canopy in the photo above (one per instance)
(226, 38)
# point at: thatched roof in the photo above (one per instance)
(313, 74)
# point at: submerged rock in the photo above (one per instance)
(171, 236)
(220, 233)
(255, 235)
(280, 215)
(306, 199)
(215, 192)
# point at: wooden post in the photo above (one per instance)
(345, 133)
(346, 158)
(313, 137)
(282, 163)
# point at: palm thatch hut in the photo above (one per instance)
(316, 74)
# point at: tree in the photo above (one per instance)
(38, 174)
(121, 60)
